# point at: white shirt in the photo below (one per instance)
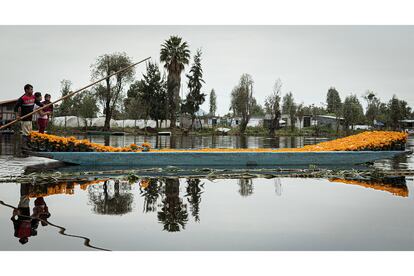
(37, 115)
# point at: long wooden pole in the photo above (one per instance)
(72, 93)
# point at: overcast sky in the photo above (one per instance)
(308, 59)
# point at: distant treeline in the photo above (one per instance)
(156, 95)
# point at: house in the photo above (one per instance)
(267, 121)
(407, 125)
(307, 121)
(254, 121)
(327, 120)
(7, 113)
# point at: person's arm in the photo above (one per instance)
(39, 103)
(17, 107)
(42, 113)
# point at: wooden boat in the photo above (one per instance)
(238, 159)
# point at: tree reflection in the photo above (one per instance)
(194, 197)
(110, 199)
(246, 187)
(151, 190)
(173, 214)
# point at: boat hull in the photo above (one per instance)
(158, 159)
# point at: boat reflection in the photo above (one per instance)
(394, 185)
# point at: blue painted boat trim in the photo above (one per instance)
(219, 158)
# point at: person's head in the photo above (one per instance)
(23, 240)
(28, 89)
(47, 97)
(38, 96)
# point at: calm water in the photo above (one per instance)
(202, 214)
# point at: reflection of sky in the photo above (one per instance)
(309, 214)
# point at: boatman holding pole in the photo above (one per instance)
(24, 106)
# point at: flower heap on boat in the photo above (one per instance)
(365, 141)
(47, 142)
(369, 140)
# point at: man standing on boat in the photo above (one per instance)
(24, 106)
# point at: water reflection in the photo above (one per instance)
(172, 203)
(173, 214)
(24, 224)
(394, 185)
(246, 187)
(111, 198)
(150, 190)
(194, 191)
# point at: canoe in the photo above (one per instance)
(209, 159)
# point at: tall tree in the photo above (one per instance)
(257, 109)
(242, 100)
(373, 107)
(65, 107)
(110, 94)
(213, 103)
(151, 92)
(175, 54)
(135, 108)
(300, 113)
(195, 98)
(289, 107)
(396, 112)
(334, 105)
(353, 111)
(87, 107)
(333, 101)
(272, 106)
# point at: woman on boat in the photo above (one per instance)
(42, 116)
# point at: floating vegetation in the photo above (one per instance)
(135, 175)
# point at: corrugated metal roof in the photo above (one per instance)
(8, 101)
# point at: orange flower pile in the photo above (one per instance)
(67, 188)
(393, 189)
(40, 141)
(369, 140)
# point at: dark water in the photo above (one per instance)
(182, 213)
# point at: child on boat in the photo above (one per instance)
(42, 116)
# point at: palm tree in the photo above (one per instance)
(175, 54)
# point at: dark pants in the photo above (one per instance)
(42, 124)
